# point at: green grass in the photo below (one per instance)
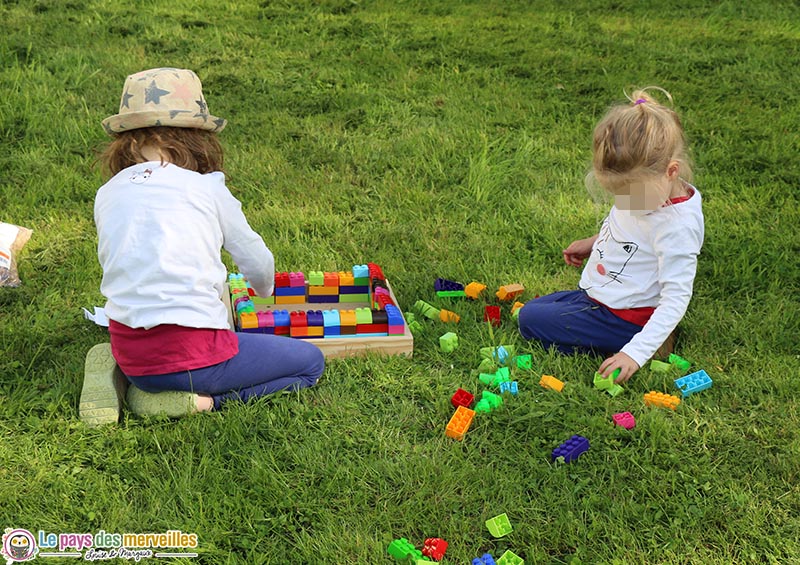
(437, 139)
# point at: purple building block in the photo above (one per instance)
(444, 284)
(571, 449)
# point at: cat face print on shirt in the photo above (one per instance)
(138, 177)
(613, 255)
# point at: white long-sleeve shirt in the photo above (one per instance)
(647, 261)
(160, 230)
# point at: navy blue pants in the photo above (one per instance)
(264, 364)
(572, 323)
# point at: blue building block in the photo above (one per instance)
(290, 291)
(511, 387)
(395, 318)
(485, 559)
(281, 317)
(360, 271)
(444, 284)
(571, 449)
(694, 382)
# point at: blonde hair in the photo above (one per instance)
(638, 140)
(190, 148)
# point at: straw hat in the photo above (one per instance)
(163, 97)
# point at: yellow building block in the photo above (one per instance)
(516, 306)
(315, 331)
(323, 290)
(661, 400)
(290, 300)
(249, 320)
(347, 317)
(448, 316)
(346, 278)
(474, 289)
(510, 291)
(459, 423)
(549, 381)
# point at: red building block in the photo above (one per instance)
(281, 280)
(462, 398)
(434, 548)
(492, 314)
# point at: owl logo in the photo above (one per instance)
(138, 177)
(18, 545)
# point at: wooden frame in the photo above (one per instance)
(337, 347)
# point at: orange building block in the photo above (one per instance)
(249, 320)
(661, 400)
(346, 278)
(347, 318)
(516, 306)
(459, 423)
(448, 316)
(330, 278)
(473, 290)
(549, 381)
(510, 291)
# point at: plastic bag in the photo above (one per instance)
(12, 240)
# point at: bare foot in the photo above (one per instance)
(203, 403)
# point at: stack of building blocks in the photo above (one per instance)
(502, 375)
(492, 314)
(462, 398)
(571, 449)
(510, 558)
(357, 305)
(510, 291)
(625, 420)
(661, 400)
(474, 289)
(448, 342)
(499, 526)
(459, 424)
(549, 381)
(485, 559)
(449, 289)
(695, 382)
(434, 548)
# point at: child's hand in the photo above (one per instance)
(627, 367)
(578, 250)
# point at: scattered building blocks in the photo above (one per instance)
(680, 362)
(448, 342)
(459, 423)
(445, 285)
(625, 420)
(499, 526)
(510, 558)
(511, 387)
(499, 354)
(661, 400)
(502, 375)
(571, 449)
(448, 316)
(435, 548)
(462, 398)
(524, 362)
(485, 559)
(510, 291)
(659, 366)
(549, 381)
(474, 289)
(488, 402)
(694, 382)
(492, 314)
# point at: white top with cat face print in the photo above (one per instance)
(647, 260)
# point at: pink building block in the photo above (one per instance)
(625, 419)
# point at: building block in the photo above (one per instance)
(695, 382)
(459, 423)
(571, 449)
(448, 316)
(680, 362)
(510, 558)
(281, 279)
(492, 314)
(510, 291)
(659, 366)
(426, 309)
(363, 315)
(448, 342)
(346, 278)
(549, 381)
(323, 291)
(488, 402)
(462, 398)
(614, 390)
(605, 383)
(330, 278)
(435, 548)
(511, 387)
(487, 366)
(485, 559)
(297, 279)
(625, 420)
(290, 291)
(524, 362)
(499, 526)
(451, 294)
(474, 290)
(402, 550)
(316, 278)
(502, 375)
(661, 400)
(361, 272)
(515, 309)
(249, 320)
(499, 354)
(444, 284)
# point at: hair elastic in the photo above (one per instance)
(640, 101)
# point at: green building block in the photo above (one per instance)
(316, 278)
(487, 366)
(499, 526)
(510, 558)
(400, 549)
(448, 342)
(601, 382)
(426, 310)
(524, 361)
(451, 294)
(502, 375)
(659, 366)
(363, 316)
(491, 353)
(680, 362)
(614, 390)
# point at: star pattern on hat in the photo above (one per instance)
(220, 122)
(203, 106)
(173, 113)
(153, 94)
(125, 98)
(184, 92)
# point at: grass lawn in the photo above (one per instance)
(437, 139)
